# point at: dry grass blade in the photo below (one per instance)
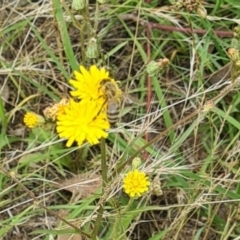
(69, 237)
(4, 92)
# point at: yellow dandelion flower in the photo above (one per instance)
(135, 183)
(82, 121)
(32, 120)
(87, 84)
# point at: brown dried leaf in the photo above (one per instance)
(81, 185)
(222, 73)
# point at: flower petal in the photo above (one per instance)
(81, 122)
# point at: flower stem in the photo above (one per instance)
(116, 232)
(104, 182)
(103, 163)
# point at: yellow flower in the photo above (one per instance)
(135, 183)
(82, 121)
(32, 120)
(88, 84)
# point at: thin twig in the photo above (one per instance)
(173, 28)
(104, 183)
(149, 82)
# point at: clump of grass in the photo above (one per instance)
(186, 135)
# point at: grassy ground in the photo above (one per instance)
(185, 129)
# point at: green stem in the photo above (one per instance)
(95, 27)
(104, 183)
(115, 232)
(103, 163)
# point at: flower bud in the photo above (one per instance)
(236, 33)
(233, 54)
(78, 4)
(154, 67)
(201, 11)
(92, 49)
(136, 163)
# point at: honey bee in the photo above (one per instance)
(114, 99)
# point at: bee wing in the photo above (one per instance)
(130, 100)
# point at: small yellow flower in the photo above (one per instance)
(32, 120)
(82, 121)
(135, 183)
(88, 84)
